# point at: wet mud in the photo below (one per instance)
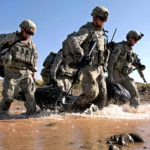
(49, 131)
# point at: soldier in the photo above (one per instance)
(58, 74)
(121, 62)
(93, 82)
(20, 61)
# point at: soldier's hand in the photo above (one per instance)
(142, 67)
(79, 55)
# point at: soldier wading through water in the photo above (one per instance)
(122, 62)
(19, 62)
(93, 82)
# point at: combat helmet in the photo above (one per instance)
(28, 25)
(134, 34)
(100, 11)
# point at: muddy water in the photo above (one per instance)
(47, 131)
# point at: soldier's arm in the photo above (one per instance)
(113, 58)
(55, 65)
(35, 53)
(137, 63)
(77, 40)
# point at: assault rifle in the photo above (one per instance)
(111, 44)
(139, 67)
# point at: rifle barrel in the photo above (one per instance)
(113, 34)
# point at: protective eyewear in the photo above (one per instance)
(103, 18)
(29, 32)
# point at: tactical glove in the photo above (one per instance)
(142, 67)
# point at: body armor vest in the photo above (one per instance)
(95, 35)
(23, 55)
(125, 60)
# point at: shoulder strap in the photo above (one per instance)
(91, 32)
(5, 49)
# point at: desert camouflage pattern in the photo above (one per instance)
(93, 87)
(93, 83)
(58, 71)
(100, 11)
(18, 71)
(28, 25)
(121, 64)
(62, 74)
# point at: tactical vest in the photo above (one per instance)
(125, 59)
(23, 56)
(98, 53)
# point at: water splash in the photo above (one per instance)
(111, 112)
(119, 112)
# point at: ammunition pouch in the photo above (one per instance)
(127, 70)
(65, 70)
(129, 58)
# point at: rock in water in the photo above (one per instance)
(136, 137)
(113, 147)
(125, 139)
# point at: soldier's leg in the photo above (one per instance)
(8, 93)
(89, 87)
(102, 96)
(130, 85)
(67, 85)
(101, 99)
(60, 83)
(28, 86)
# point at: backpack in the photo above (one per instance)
(49, 60)
(118, 92)
(3, 50)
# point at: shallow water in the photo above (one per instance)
(47, 131)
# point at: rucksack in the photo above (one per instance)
(118, 92)
(49, 60)
(3, 50)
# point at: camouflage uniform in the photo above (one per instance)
(121, 64)
(93, 82)
(19, 63)
(59, 72)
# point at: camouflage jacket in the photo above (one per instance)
(80, 43)
(121, 59)
(23, 53)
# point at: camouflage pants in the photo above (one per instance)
(129, 84)
(63, 83)
(93, 86)
(14, 81)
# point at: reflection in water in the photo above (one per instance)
(75, 131)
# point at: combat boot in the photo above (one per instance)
(3, 113)
(31, 109)
(4, 106)
(134, 102)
